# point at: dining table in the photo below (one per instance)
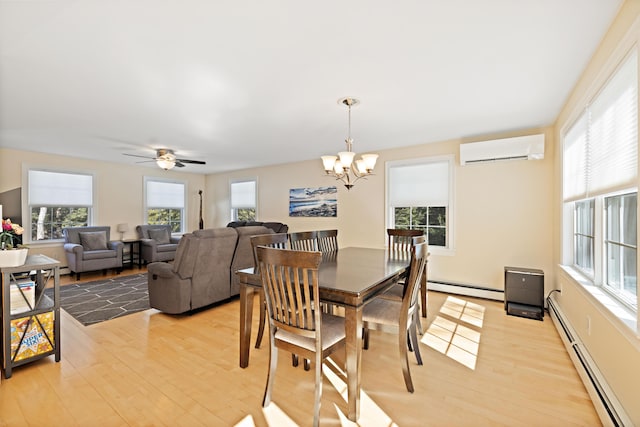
(349, 277)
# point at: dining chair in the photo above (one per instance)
(290, 283)
(304, 241)
(400, 316)
(399, 241)
(327, 240)
(279, 241)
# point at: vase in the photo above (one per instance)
(13, 257)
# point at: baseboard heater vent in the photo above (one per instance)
(607, 405)
(466, 290)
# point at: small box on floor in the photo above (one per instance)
(524, 292)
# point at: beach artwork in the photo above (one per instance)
(321, 201)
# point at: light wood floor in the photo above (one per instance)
(481, 368)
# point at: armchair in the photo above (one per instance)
(156, 243)
(90, 249)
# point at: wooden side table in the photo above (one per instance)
(133, 255)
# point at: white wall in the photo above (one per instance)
(119, 190)
(503, 210)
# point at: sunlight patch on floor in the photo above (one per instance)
(370, 413)
(451, 337)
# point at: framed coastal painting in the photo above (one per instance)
(320, 201)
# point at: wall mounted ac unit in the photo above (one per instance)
(530, 147)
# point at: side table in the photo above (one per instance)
(131, 253)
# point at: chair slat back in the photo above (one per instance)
(304, 241)
(290, 283)
(399, 242)
(417, 271)
(279, 241)
(327, 240)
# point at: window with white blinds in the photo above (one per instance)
(165, 203)
(600, 174)
(600, 149)
(243, 200)
(57, 200)
(418, 197)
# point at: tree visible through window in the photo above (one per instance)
(431, 219)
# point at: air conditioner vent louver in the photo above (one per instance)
(530, 147)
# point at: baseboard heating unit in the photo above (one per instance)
(467, 290)
(606, 404)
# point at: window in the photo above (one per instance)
(243, 200)
(417, 202)
(584, 235)
(621, 246)
(600, 185)
(57, 200)
(165, 202)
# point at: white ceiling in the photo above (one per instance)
(241, 84)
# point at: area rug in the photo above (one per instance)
(95, 302)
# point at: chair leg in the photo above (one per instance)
(273, 362)
(263, 319)
(365, 338)
(318, 393)
(413, 339)
(404, 360)
(419, 323)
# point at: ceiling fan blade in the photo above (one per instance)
(136, 155)
(195, 162)
(178, 164)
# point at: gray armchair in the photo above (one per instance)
(91, 249)
(156, 243)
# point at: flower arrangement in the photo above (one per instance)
(9, 233)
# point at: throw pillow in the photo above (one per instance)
(160, 235)
(94, 240)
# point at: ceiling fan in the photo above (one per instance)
(166, 159)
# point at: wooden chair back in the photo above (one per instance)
(290, 283)
(417, 270)
(304, 241)
(399, 242)
(327, 240)
(279, 241)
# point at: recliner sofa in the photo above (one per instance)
(203, 271)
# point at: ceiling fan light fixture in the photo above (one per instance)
(166, 159)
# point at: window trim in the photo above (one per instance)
(145, 208)
(92, 216)
(449, 250)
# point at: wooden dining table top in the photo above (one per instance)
(349, 276)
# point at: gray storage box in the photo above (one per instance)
(524, 292)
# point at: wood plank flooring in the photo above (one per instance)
(481, 368)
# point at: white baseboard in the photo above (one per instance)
(467, 290)
(607, 406)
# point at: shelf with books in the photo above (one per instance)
(30, 319)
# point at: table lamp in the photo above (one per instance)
(123, 228)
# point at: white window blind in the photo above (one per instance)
(243, 195)
(60, 189)
(425, 184)
(162, 194)
(600, 149)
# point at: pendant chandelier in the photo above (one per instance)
(343, 167)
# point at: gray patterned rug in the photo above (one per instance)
(95, 302)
